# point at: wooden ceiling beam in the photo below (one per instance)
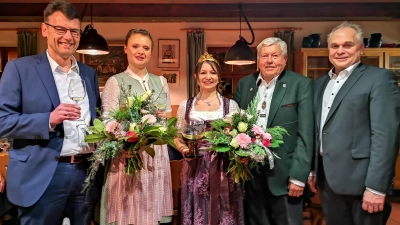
(204, 1)
(217, 11)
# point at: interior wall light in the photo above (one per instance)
(91, 42)
(241, 53)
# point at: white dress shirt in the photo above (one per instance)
(74, 131)
(332, 88)
(265, 92)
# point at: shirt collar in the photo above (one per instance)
(346, 72)
(54, 65)
(135, 76)
(261, 79)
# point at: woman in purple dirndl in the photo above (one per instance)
(209, 196)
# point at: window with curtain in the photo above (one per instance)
(27, 42)
(288, 37)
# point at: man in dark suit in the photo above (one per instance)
(48, 159)
(357, 110)
(286, 100)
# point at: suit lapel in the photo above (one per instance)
(319, 97)
(353, 78)
(251, 88)
(277, 97)
(252, 92)
(44, 70)
(92, 105)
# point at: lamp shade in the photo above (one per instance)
(240, 54)
(92, 43)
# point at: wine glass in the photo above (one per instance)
(77, 91)
(193, 131)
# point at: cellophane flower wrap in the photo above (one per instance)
(132, 128)
(247, 144)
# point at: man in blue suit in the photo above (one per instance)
(49, 159)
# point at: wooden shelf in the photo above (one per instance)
(394, 68)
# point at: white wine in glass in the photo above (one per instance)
(77, 91)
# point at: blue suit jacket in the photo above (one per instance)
(28, 94)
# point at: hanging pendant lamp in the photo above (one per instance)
(240, 53)
(91, 42)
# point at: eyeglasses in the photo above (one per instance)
(62, 30)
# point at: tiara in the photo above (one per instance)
(207, 57)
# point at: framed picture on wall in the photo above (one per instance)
(172, 76)
(168, 53)
(107, 65)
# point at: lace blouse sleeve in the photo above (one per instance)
(181, 123)
(233, 106)
(166, 90)
(110, 95)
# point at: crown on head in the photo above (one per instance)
(207, 57)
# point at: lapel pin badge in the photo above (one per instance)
(251, 89)
(284, 85)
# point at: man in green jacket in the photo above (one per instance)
(286, 100)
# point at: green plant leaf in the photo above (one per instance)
(154, 133)
(94, 138)
(222, 148)
(171, 141)
(149, 150)
(242, 153)
(98, 125)
(171, 121)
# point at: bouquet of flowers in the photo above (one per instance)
(246, 143)
(134, 127)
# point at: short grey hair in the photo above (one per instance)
(353, 26)
(62, 6)
(272, 41)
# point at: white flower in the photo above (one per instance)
(162, 129)
(150, 119)
(244, 112)
(228, 118)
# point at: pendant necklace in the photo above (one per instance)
(209, 102)
(264, 105)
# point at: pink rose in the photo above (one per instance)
(266, 142)
(133, 137)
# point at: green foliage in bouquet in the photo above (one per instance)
(132, 128)
(246, 144)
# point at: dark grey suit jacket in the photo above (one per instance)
(360, 137)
